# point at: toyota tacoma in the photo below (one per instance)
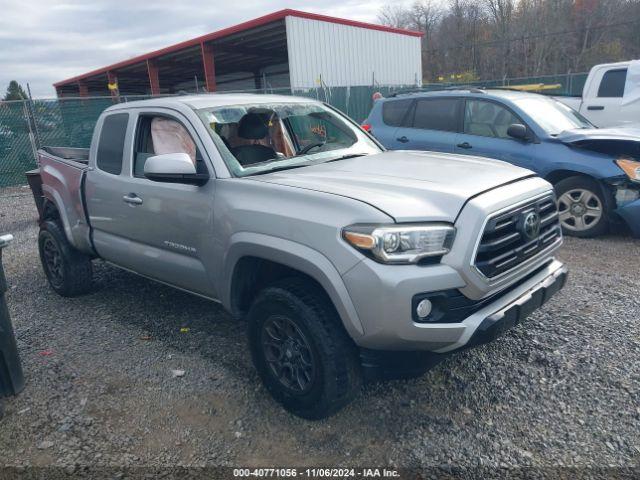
(341, 256)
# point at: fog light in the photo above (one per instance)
(423, 309)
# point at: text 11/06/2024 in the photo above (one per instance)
(317, 472)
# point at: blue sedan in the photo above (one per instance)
(595, 172)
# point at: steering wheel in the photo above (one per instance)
(310, 146)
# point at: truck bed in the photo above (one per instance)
(79, 155)
(60, 180)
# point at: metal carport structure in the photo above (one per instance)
(288, 49)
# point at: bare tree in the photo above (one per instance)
(394, 15)
(502, 15)
(490, 39)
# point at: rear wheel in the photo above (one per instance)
(301, 351)
(68, 270)
(582, 207)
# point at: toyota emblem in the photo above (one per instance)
(531, 225)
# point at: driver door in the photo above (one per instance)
(157, 229)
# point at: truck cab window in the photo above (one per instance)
(158, 135)
(612, 84)
(111, 144)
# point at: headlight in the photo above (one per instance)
(401, 243)
(631, 168)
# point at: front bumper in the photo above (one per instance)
(393, 328)
(630, 213)
(513, 313)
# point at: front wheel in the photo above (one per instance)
(68, 270)
(301, 351)
(582, 207)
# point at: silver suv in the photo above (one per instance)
(344, 259)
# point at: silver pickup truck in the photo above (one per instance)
(339, 255)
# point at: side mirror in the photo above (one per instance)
(173, 168)
(518, 131)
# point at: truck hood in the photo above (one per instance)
(408, 186)
(582, 135)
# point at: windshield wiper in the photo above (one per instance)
(345, 157)
(300, 165)
(277, 169)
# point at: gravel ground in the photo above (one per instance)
(561, 389)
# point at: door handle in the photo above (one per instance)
(595, 107)
(132, 199)
(402, 139)
(464, 145)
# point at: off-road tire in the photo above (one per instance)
(72, 273)
(580, 183)
(338, 376)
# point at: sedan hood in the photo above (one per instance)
(582, 135)
(408, 186)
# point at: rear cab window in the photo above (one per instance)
(111, 144)
(612, 83)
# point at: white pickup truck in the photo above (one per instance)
(611, 95)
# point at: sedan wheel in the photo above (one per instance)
(579, 209)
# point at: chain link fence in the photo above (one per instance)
(27, 125)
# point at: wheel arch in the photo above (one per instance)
(558, 175)
(254, 260)
(50, 210)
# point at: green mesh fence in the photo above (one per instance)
(16, 146)
(27, 125)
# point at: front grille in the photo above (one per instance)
(507, 242)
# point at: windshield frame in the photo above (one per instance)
(524, 106)
(296, 161)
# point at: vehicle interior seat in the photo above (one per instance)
(481, 121)
(252, 126)
(502, 122)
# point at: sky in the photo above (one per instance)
(45, 41)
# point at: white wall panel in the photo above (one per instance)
(349, 56)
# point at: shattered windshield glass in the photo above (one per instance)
(259, 138)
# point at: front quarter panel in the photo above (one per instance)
(557, 156)
(296, 227)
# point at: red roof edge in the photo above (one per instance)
(256, 22)
(351, 23)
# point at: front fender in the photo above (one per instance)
(296, 256)
(582, 161)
